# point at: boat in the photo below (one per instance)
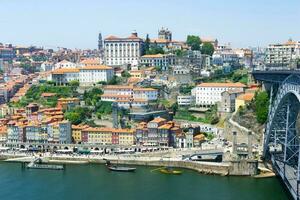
(119, 168)
(37, 163)
(170, 170)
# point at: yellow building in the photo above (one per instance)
(123, 136)
(77, 132)
(198, 140)
(64, 102)
(97, 135)
(137, 73)
(243, 99)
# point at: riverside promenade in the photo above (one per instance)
(172, 158)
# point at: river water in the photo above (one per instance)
(92, 181)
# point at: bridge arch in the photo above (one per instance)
(281, 139)
(283, 112)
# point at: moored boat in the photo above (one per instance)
(119, 168)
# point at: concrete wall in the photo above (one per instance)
(240, 168)
(244, 168)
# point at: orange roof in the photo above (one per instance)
(65, 70)
(136, 71)
(79, 127)
(111, 37)
(96, 67)
(158, 120)
(134, 80)
(153, 56)
(48, 94)
(131, 37)
(290, 42)
(159, 40)
(246, 96)
(3, 130)
(118, 87)
(199, 137)
(166, 126)
(239, 85)
(90, 61)
(116, 95)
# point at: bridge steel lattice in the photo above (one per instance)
(281, 139)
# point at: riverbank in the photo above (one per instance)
(240, 168)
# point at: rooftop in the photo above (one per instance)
(237, 85)
(246, 96)
(96, 67)
(158, 120)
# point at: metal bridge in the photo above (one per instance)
(281, 138)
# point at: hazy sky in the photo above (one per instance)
(76, 23)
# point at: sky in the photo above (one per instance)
(76, 23)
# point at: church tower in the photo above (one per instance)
(100, 42)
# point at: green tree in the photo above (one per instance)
(78, 114)
(180, 52)
(125, 74)
(193, 41)
(74, 83)
(155, 49)
(91, 97)
(174, 107)
(103, 107)
(261, 106)
(114, 81)
(74, 117)
(186, 89)
(146, 45)
(158, 68)
(207, 48)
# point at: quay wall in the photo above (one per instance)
(240, 168)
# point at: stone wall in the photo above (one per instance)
(244, 168)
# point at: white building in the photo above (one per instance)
(208, 94)
(185, 100)
(161, 60)
(65, 65)
(87, 75)
(123, 51)
(63, 76)
(47, 66)
(179, 70)
(90, 62)
(281, 55)
(129, 96)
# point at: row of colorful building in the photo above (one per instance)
(34, 125)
